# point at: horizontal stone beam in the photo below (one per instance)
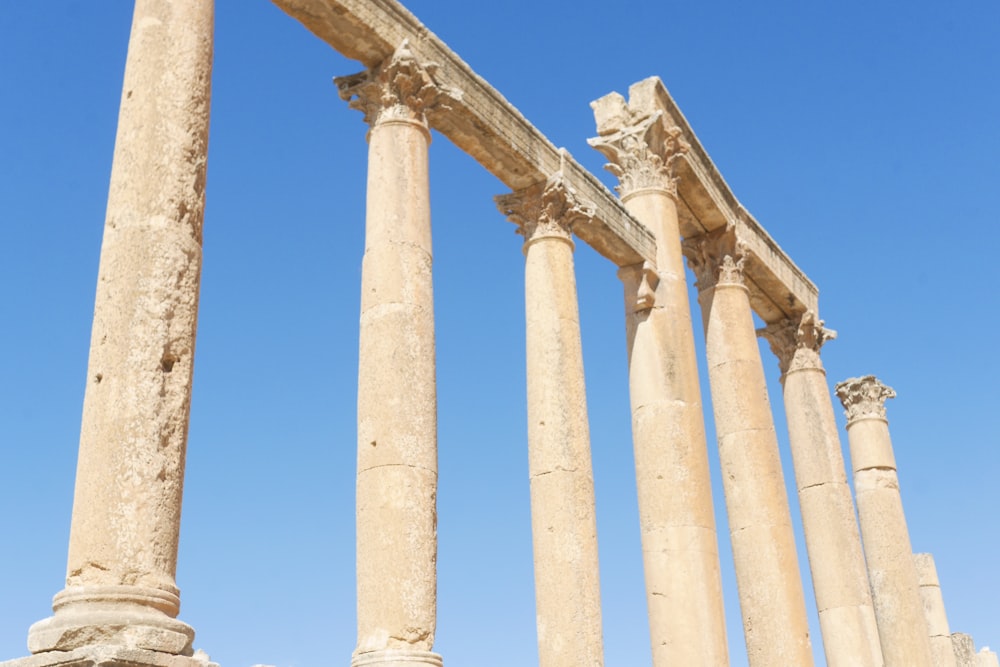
(479, 120)
(778, 288)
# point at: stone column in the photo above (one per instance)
(397, 396)
(965, 650)
(937, 620)
(679, 542)
(891, 570)
(120, 580)
(760, 524)
(563, 520)
(987, 658)
(840, 580)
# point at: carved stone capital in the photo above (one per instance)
(863, 397)
(796, 342)
(717, 258)
(641, 150)
(401, 88)
(548, 209)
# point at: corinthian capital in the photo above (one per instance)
(716, 257)
(400, 88)
(642, 150)
(797, 341)
(545, 209)
(864, 397)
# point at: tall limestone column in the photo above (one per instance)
(563, 519)
(840, 580)
(937, 619)
(120, 580)
(397, 396)
(760, 523)
(679, 541)
(891, 570)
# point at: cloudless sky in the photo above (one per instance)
(862, 135)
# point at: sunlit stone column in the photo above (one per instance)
(760, 524)
(987, 658)
(891, 570)
(840, 580)
(397, 396)
(937, 620)
(679, 541)
(120, 580)
(563, 520)
(965, 650)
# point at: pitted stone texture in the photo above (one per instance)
(965, 650)
(934, 611)
(130, 473)
(836, 561)
(397, 396)
(767, 573)
(111, 656)
(563, 516)
(679, 543)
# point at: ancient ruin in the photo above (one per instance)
(878, 603)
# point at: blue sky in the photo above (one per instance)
(862, 136)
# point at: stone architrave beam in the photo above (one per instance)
(489, 128)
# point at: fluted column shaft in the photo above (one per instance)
(397, 397)
(942, 653)
(891, 570)
(120, 579)
(563, 519)
(840, 580)
(679, 541)
(760, 525)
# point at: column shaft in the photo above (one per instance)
(676, 515)
(563, 519)
(120, 580)
(767, 572)
(397, 397)
(840, 580)
(891, 570)
(942, 654)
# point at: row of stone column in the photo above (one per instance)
(123, 546)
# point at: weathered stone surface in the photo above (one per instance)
(111, 656)
(120, 589)
(987, 658)
(965, 650)
(840, 580)
(563, 518)
(934, 611)
(680, 549)
(891, 569)
(760, 524)
(397, 397)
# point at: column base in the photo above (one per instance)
(391, 657)
(111, 656)
(129, 617)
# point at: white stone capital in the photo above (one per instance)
(641, 148)
(864, 398)
(402, 89)
(545, 210)
(717, 258)
(796, 341)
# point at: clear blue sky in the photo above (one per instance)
(863, 136)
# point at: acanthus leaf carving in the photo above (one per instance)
(642, 151)
(550, 208)
(864, 397)
(717, 258)
(796, 342)
(400, 88)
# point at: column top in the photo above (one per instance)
(796, 342)
(864, 398)
(546, 209)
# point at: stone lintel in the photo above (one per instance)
(479, 120)
(778, 288)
